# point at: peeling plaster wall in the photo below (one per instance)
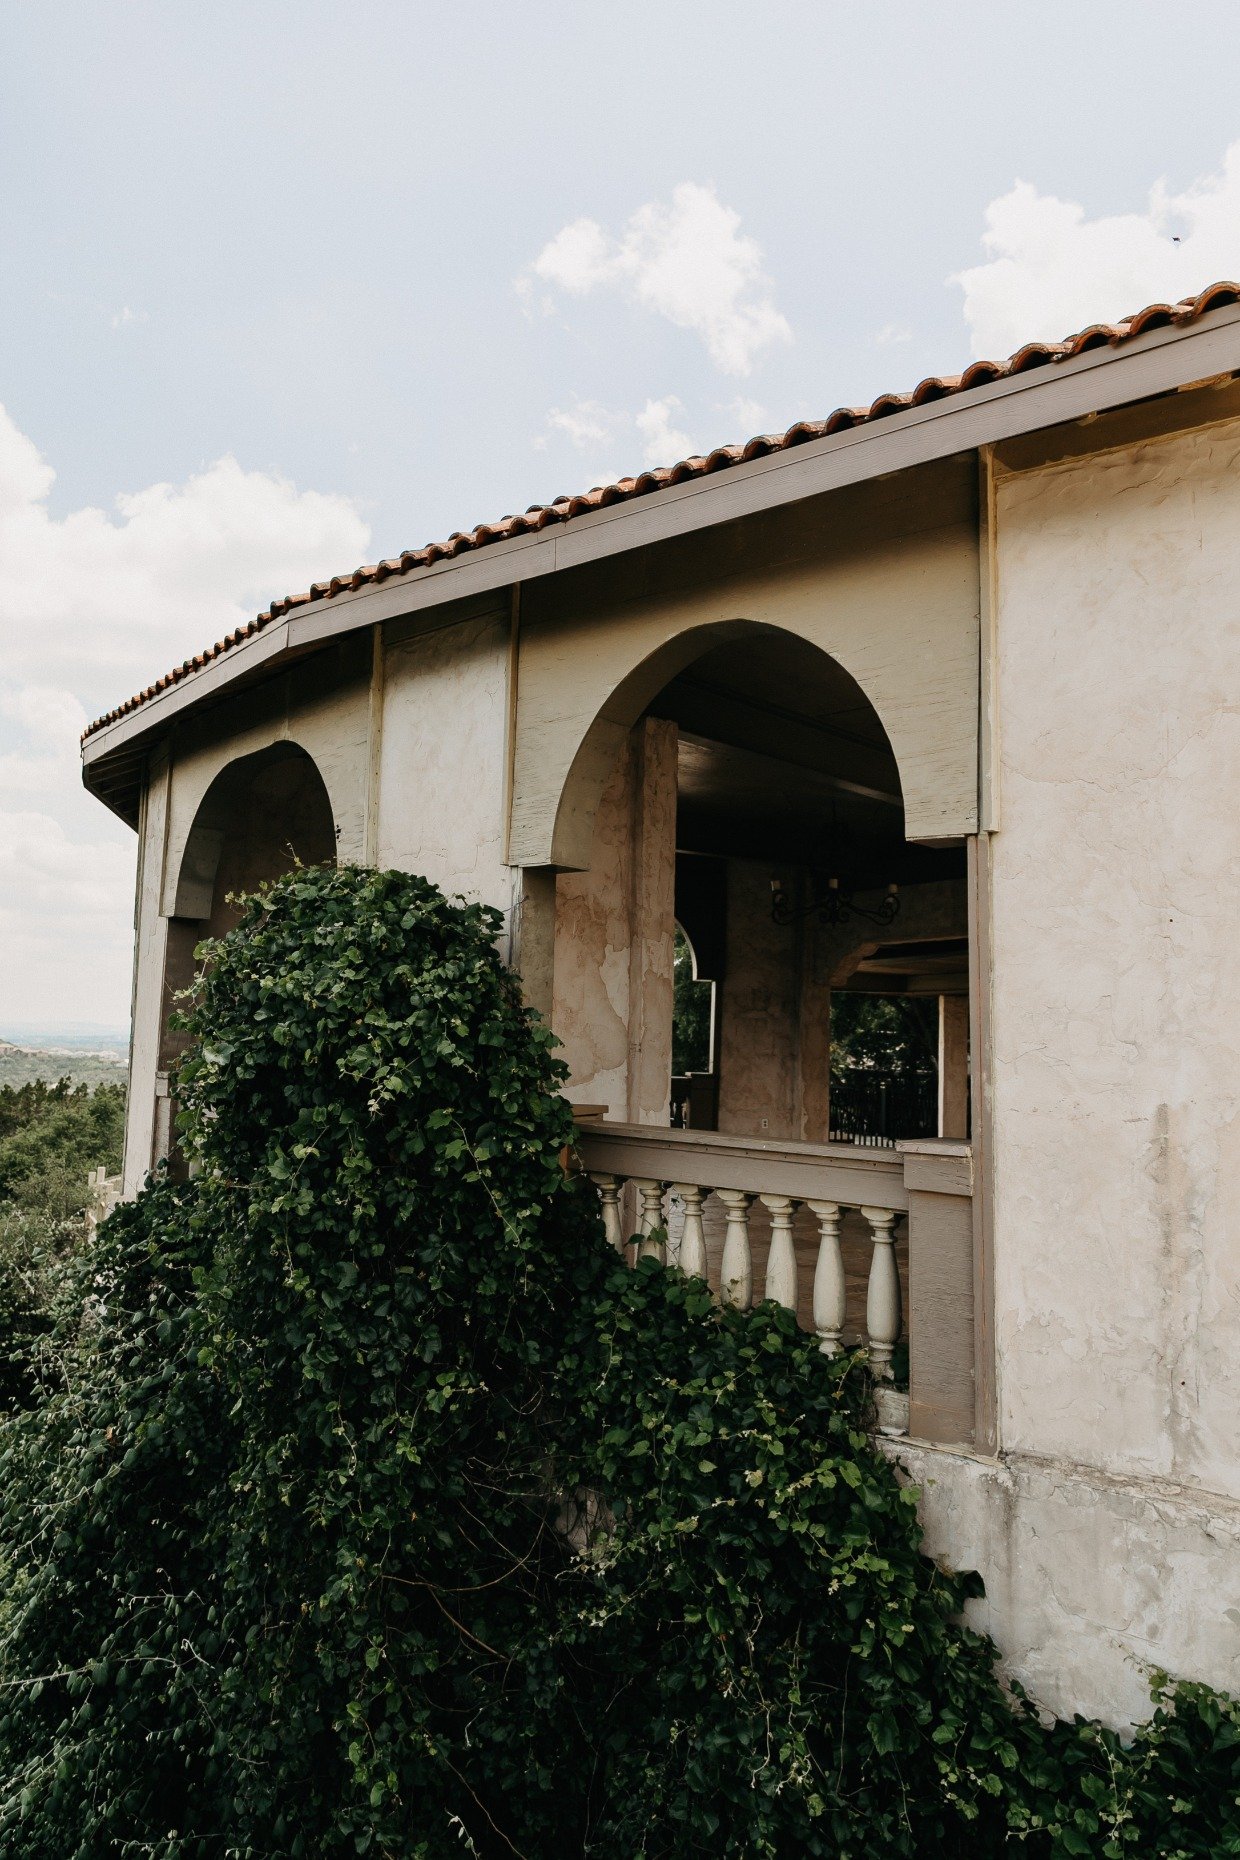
(1092, 1582)
(1117, 964)
(443, 754)
(1111, 1537)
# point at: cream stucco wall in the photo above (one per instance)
(1109, 1541)
(442, 757)
(320, 705)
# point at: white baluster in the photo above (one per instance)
(693, 1238)
(830, 1286)
(882, 1305)
(736, 1271)
(650, 1220)
(781, 1261)
(608, 1187)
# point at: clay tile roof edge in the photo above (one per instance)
(564, 509)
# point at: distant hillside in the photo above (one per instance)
(86, 1036)
(21, 1065)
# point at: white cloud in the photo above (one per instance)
(103, 603)
(93, 606)
(585, 423)
(646, 438)
(66, 914)
(661, 432)
(749, 416)
(45, 713)
(124, 317)
(891, 335)
(686, 260)
(662, 442)
(1050, 269)
(47, 880)
(44, 720)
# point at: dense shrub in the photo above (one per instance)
(373, 1507)
(51, 1137)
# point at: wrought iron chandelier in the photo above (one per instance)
(826, 893)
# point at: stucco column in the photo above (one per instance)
(615, 935)
(150, 939)
(652, 917)
(760, 1087)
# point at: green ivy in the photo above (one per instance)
(372, 1507)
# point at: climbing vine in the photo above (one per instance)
(371, 1506)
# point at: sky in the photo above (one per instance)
(286, 286)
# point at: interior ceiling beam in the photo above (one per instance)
(784, 712)
(765, 764)
(921, 986)
(720, 715)
(881, 964)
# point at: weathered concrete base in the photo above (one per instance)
(1093, 1581)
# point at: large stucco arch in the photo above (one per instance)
(903, 625)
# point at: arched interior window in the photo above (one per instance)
(693, 1034)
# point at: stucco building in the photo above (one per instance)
(979, 644)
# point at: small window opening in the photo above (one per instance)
(884, 1071)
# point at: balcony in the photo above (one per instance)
(867, 1247)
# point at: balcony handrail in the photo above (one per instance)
(852, 1174)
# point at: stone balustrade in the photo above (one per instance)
(654, 1186)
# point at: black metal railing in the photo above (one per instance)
(880, 1108)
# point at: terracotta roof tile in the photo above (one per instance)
(564, 509)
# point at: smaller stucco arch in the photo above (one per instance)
(261, 814)
(295, 824)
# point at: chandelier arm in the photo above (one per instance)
(833, 907)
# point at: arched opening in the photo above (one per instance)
(261, 816)
(753, 802)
